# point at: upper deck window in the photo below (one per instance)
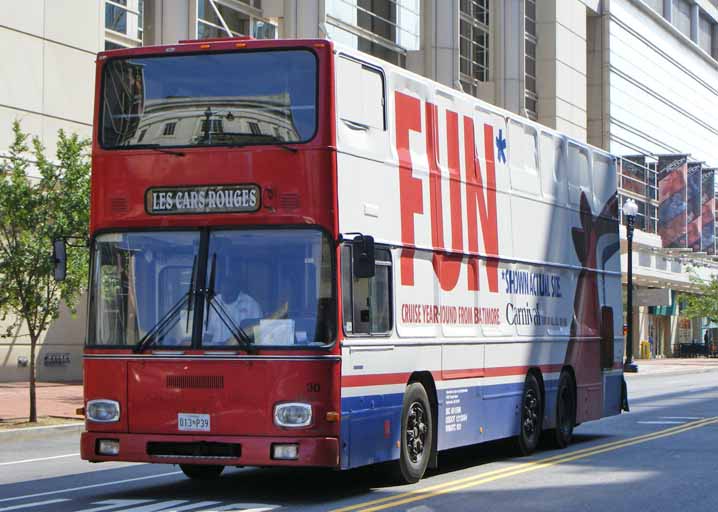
(275, 91)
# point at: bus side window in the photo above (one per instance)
(366, 302)
(360, 94)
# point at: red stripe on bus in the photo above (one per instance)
(383, 379)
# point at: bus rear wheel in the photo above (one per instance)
(565, 411)
(531, 416)
(417, 434)
(201, 472)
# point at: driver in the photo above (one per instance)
(237, 304)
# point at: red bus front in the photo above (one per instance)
(213, 310)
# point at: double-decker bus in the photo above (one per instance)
(305, 256)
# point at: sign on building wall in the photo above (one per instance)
(693, 211)
(672, 199)
(652, 297)
(708, 200)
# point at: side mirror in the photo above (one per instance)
(59, 258)
(364, 256)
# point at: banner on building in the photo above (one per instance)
(672, 200)
(633, 174)
(708, 200)
(694, 203)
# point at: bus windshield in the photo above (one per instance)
(230, 99)
(262, 288)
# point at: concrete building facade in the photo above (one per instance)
(635, 77)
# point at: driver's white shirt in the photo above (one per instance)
(242, 308)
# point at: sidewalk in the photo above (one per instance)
(53, 399)
(671, 365)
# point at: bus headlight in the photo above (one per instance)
(292, 415)
(103, 411)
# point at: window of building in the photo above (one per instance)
(232, 18)
(215, 126)
(169, 129)
(473, 44)
(682, 16)
(367, 301)
(254, 128)
(656, 5)
(384, 28)
(530, 41)
(124, 23)
(705, 34)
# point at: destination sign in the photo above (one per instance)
(203, 199)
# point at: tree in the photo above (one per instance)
(40, 201)
(704, 303)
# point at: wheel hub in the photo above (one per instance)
(416, 429)
(530, 413)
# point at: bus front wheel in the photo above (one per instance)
(201, 472)
(531, 416)
(417, 433)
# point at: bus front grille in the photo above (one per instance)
(197, 450)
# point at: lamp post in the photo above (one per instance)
(630, 209)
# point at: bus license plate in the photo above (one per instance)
(193, 422)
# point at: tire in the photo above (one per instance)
(531, 417)
(201, 472)
(565, 411)
(417, 434)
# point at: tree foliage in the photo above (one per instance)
(41, 200)
(704, 303)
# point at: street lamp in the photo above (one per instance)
(630, 209)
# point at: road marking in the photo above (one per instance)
(110, 504)
(244, 507)
(661, 422)
(162, 505)
(91, 486)
(39, 459)
(490, 476)
(38, 504)
(682, 417)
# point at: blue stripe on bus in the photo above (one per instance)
(371, 424)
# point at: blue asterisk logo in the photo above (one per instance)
(501, 146)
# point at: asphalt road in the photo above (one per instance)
(662, 456)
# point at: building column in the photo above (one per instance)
(695, 16)
(298, 19)
(561, 65)
(668, 10)
(438, 59)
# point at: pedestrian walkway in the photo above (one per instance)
(53, 399)
(671, 365)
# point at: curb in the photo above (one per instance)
(46, 430)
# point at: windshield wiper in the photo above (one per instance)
(164, 322)
(239, 334)
(156, 147)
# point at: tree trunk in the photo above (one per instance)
(33, 401)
